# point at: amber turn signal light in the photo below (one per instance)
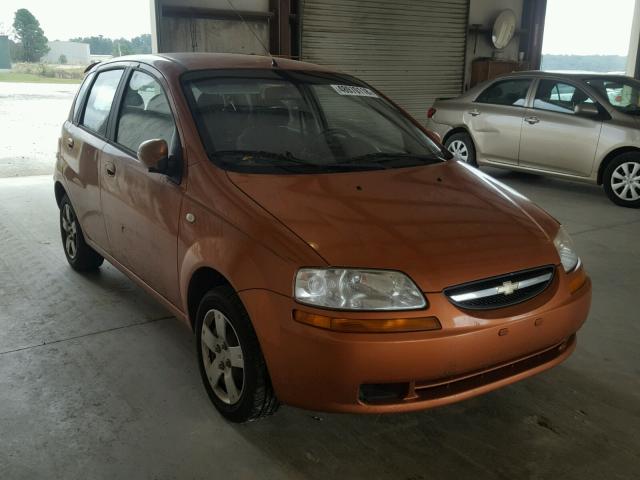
(367, 325)
(577, 280)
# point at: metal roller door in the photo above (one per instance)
(413, 50)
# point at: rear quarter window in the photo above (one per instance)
(77, 103)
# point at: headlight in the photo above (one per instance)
(355, 289)
(564, 245)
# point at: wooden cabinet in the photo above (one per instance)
(487, 68)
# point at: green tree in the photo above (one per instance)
(30, 35)
(121, 47)
(62, 60)
(97, 45)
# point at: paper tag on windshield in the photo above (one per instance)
(354, 91)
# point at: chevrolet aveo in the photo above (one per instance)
(326, 251)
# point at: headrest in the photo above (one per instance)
(159, 104)
(133, 99)
(276, 94)
(209, 100)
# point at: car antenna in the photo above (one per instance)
(264, 47)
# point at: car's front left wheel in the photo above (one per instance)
(232, 367)
(80, 256)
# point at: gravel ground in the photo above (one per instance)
(31, 115)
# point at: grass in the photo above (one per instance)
(33, 78)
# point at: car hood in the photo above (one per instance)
(442, 224)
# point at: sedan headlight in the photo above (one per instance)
(356, 289)
(564, 245)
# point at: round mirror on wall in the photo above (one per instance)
(503, 29)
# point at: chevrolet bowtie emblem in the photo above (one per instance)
(508, 287)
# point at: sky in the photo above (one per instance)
(587, 27)
(572, 26)
(64, 19)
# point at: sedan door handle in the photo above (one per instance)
(70, 142)
(531, 120)
(110, 168)
(474, 112)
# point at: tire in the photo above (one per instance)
(80, 256)
(461, 145)
(621, 180)
(231, 363)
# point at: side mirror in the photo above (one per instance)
(154, 154)
(586, 110)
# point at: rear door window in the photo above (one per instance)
(506, 92)
(96, 113)
(145, 113)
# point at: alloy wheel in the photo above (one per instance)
(625, 181)
(459, 150)
(222, 357)
(70, 228)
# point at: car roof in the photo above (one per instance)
(205, 60)
(574, 75)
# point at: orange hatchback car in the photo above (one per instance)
(326, 251)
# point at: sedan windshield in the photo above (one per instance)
(279, 121)
(622, 94)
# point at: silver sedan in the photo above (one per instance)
(581, 127)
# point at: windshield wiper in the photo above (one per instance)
(262, 155)
(388, 157)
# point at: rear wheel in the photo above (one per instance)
(80, 256)
(621, 180)
(461, 146)
(232, 367)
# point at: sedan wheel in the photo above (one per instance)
(460, 150)
(621, 180)
(625, 181)
(461, 146)
(222, 357)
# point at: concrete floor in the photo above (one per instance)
(97, 381)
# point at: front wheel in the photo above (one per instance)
(80, 256)
(621, 180)
(231, 363)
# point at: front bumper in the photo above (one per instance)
(473, 353)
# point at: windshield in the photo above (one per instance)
(622, 94)
(297, 122)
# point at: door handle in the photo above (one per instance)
(474, 112)
(69, 142)
(110, 168)
(531, 120)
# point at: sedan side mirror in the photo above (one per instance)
(154, 154)
(586, 110)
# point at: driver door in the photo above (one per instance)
(554, 137)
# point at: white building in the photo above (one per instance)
(76, 53)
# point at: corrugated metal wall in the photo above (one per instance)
(413, 50)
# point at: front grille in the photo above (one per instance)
(501, 291)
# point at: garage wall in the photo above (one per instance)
(413, 50)
(484, 12)
(202, 32)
